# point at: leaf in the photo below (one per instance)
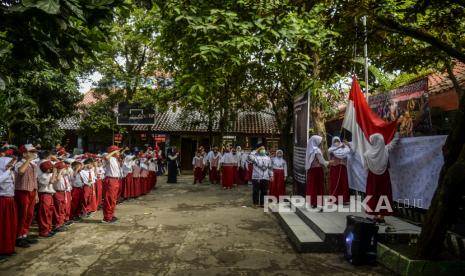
(48, 6)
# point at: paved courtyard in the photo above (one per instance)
(179, 229)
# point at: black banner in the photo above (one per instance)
(301, 127)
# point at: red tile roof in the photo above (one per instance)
(246, 123)
(440, 82)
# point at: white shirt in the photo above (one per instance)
(7, 183)
(262, 167)
(228, 159)
(112, 168)
(67, 179)
(87, 177)
(61, 184)
(127, 165)
(45, 184)
(77, 180)
(279, 164)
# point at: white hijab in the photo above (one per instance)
(340, 153)
(377, 155)
(313, 148)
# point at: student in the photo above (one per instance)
(59, 199)
(314, 163)
(227, 163)
(113, 176)
(198, 164)
(338, 179)
(378, 179)
(77, 192)
(67, 175)
(262, 172)
(8, 213)
(100, 174)
(26, 192)
(144, 175)
(46, 192)
(136, 172)
(278, 185)
(87, 175)
(128, 163)
(152, 164)
(214, 162)
(235, 165)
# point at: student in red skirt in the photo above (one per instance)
(227, 163)
(144, 175)
(46, 192)
(198, 164)
(136, 171)
(314, 163)
(376, 161)
(152, 164)
(278, 183)
(338, 180)
(77, 192)
(8, 215)
(100, 175)
(67, 178)
(128, 185)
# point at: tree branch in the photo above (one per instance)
(394, 26)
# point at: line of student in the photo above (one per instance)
(63, 189)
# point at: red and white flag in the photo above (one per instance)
(362, 122)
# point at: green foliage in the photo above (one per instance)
(98, 119)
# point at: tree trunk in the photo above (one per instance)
(444, 206)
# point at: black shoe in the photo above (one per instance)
(31, 240)
(48, 235)
(22, 243)
(77, 219)
(60, 229)
(69, 222)
(113, 220)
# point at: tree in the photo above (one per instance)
(423, 34)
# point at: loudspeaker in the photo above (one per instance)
(360, 240)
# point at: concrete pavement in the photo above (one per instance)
(178, 229)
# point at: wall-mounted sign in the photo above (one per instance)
(134, 115)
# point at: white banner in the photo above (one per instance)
(415, 164)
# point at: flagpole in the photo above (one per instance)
(365, 52)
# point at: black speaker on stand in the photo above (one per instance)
(360, 240)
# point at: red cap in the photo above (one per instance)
(112, 149)
(60, 165)
(27, 148)
(61, 152)
(9, 152)
(45, 166)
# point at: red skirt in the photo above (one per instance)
(60, 204)
(153, 179)
(8, 222)
(278, 186)
(214, 175)
(127, 186)
(248, 173)
(98, 191)
(339, 183)
(377, 186)
(144, 185)
(198, 172)
(136, 181)
(235, 174)
(315, 184)
(228, 176)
